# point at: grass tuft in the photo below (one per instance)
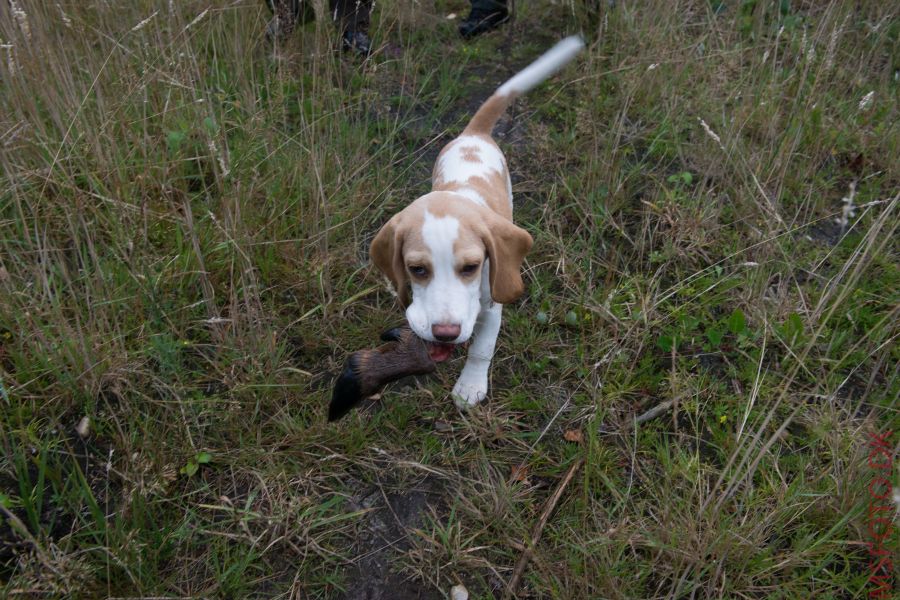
(185, 213)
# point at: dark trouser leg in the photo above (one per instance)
(301, 10)
(351, 15)
(489, 5)
(285, 16)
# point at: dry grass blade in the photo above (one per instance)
(513, 586)
(185, 216)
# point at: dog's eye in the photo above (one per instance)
(418, 271)
(469, 269)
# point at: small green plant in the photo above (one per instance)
(186, 309)
(715, 336)
(684, 178)
(174, 140)
(193, 465)
(737, 324)
(792, 329)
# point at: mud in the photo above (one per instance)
(384, 538)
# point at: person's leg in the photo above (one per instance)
(285, 16)
(352, 16)
(484, 16)
(283, 19)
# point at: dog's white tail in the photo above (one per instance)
(530, 77)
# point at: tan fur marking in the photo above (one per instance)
(491, 185)
(470, 154)
(402, 233)
(489, 113)
(504, 243)
(492, 188)
(468, 247)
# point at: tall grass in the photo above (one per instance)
(184, 219)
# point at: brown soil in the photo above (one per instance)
(385, 537)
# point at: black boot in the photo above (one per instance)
(352, 16)
(485, 16)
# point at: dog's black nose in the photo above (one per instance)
(445, 332)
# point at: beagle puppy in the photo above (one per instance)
(456, 248)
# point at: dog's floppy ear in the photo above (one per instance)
(387, 254)
(506, 245)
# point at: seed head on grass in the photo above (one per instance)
(21, 18)
(185, 311)
(866, 101)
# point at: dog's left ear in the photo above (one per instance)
(387, 254)
(506, 245)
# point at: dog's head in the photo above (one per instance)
(453, 254)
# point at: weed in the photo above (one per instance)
(185, 213)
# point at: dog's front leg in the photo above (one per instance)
(472, 385)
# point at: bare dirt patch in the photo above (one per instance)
(384, 537)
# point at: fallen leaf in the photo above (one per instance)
(574, 435)
(519, 473)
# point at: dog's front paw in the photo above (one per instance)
(470, 389)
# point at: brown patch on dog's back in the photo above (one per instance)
(470, 154)
(491, 186)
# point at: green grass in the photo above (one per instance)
(184, 222)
